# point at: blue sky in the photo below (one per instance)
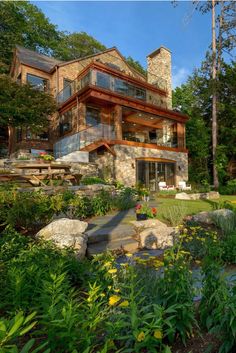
(137, 28)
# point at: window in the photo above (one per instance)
(66, 82)
(42, 84)
(65, 123)
(103, 80)
(42, 136)
(92, 116)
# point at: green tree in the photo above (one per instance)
(187, 99)
(136, 65)
(24, 24)
(77, 45)
(24, 106)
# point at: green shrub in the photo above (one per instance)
(174, 215)
(125, 199)
(92, 180)
(18, 326)
(229, 188)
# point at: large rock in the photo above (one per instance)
(149, 223)
(212, 195)
(210, 218)
(157, 238)
(66, 232)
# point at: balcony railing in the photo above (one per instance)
(112, 83)
(82, 139)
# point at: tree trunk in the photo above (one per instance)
(214, 100)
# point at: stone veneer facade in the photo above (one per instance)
(159, 71)
(123, 166)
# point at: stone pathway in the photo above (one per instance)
(112, 231)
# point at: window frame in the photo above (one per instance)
(46, 87)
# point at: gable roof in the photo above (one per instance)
(48, 64)
(36, 60)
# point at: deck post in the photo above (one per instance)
(118, 121)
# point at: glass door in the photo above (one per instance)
(149, 174)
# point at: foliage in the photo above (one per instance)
(217, 307)
(174, 215)
(194, 99)
(125, 199)
(25, 24)
(92, 180)
(45, 157)
(17, 327)
(30, 210)
(229, 188)
(136, 65)
(144, 208)
(21, 105)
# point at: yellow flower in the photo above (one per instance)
(112, 270)
(107, 264)
(114, 299)
(124, 304)
(158, 334)
(117, 290)
(129, 255)
(141, 336)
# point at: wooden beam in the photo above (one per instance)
(147, 145)
(143, 122)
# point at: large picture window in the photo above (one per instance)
(92, 116)
(65, 123)
(40, 83)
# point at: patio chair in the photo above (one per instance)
(184, 186)
(163, 187)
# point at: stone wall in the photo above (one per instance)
(123, 166)
(86, 169)
(159, 71)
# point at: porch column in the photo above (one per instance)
(181, 135)
(118, 122)
(81, 116)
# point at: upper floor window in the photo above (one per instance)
(66, 122)
(40, 83)
(92, 116)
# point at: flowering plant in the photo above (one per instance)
(151, 212)
(45, 156)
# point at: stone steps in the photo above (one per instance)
(127, 244)
(110, 234)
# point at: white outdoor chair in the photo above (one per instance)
(184, 186)
(162, 186)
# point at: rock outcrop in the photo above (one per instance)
(153, 234)
(65, 233)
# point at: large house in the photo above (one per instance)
(108, 113)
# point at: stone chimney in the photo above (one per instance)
(159, 71)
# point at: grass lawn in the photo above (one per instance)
(188, 207)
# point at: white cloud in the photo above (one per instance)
(179, 76)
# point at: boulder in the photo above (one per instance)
(210, 218)
(183, 196)
(149, 223)
(157, 238)
(212, 195)
(65, 233)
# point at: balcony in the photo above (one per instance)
(114, 83)
(83, 138)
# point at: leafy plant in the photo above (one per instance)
(174, 215)
(15, 328)
(92, 180)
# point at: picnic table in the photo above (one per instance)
(43, 172)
